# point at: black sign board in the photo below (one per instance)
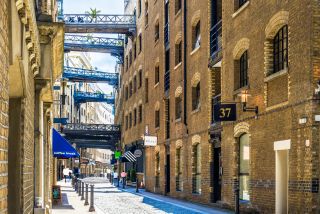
(225, 112)
(56, 194)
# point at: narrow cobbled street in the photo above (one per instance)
(109, 199)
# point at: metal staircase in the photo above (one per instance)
(85, 75)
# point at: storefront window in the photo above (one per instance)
(244, 167)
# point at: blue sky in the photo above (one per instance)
(104, 62)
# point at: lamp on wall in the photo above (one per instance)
(244, 99)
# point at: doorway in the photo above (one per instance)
(217, 175)
(282, 175)
(167, 173)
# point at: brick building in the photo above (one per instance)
(31, 59)
(261, 56)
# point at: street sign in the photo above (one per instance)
(150, 140)
(225, 112)
(117, 154)
(137, 153)
(63, 120)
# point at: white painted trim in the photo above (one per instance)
(282, 145)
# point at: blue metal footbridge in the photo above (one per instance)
(86, 75)
(84, 97)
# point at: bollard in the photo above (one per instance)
(82, 193)
(76, 186)
(137, 185)
(86, 202)
(79, 189)
(237, 211)
(91, 208)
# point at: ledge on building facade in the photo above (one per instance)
(177, 14)
(177, 66)
(195, 50)
(195, 111)
(156, 85)
(239, 90)
(276, 75)
(242, 8)
(178, 120)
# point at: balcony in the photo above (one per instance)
(216, 42)
(167, 81)
(166, 35)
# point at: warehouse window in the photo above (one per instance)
(177, 6)
(156, 32)
(135, 117)
(178, 170)
(178, 107)
(157, 119)
(196, 37)
(130, 120)
(178, 52)
(157, 183)
(134, 84)
(140, 43)
(156, 75)
(196, 169)
(280, 50)
(244, 69)
(244, 158)
(196, 97)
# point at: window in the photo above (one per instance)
(134, 84)
(140, 43)
(244, 69)
(196, 97)
(156, 75)
(280, 50)
(130, 89)
(244, 158)
(196, 38)
(146, 90)
(177, 6)
(134, 50)
(156, 32)
(135, 117)
(157, 119)
(178, 107)
(146, 8)
(139, 8)
(127, 122)
(196, 169)
(127, 93)
(178, 54)
(242, 2)
(140, 113)
(130, 57)
(157, 183)
(178, 170)
(140, 78)
(130, 120)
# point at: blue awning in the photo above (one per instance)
(61, 148)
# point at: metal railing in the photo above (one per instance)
(93, 40)
(216, 39)
(91, 127)
(179, 182)
(167, 81)
(99, 19)
(83, 97)
(80, 74)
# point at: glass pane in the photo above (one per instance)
(244, 153)
(244, 187)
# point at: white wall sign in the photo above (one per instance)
(150, 140)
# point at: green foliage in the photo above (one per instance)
(133, 175)
(93, 12)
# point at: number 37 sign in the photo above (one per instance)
(225, 112)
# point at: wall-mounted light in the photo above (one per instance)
(244, 99)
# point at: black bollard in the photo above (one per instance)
(91, 208)
(86, 202)
(236, 191)
(137, 185)
(79, 189)
(82, 193)
(76, 185)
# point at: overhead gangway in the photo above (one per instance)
(84, 97)
(86, 75)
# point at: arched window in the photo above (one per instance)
(196, 36)
(178, 170)
(280, 50)
(243, 69)
(244, 166)
(196, 166)
(157, 184)
(196, 97)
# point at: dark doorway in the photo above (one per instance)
(168, 173)
(217, 175)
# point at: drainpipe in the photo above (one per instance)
(185, 62)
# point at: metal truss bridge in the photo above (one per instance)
(85, 75)
(84, 97)
(90, 43)
(103, 136)
(86, 23)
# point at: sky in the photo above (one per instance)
(104, 62)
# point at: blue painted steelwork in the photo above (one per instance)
(60, 10)
(93, 44)
(83, 97)
(86, 23)
(86, 75)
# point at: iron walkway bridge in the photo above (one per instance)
(103, 136)
(84, 97)
(90, 43)
(86, 75)
(86, 23)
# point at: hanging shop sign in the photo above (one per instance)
(137, 153)
(150, 140)
(225, 112)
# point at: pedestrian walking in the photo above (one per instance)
(115, 178)
(65, 174)
(123, 177)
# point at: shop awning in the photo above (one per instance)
(61, 148)
(128, 157)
